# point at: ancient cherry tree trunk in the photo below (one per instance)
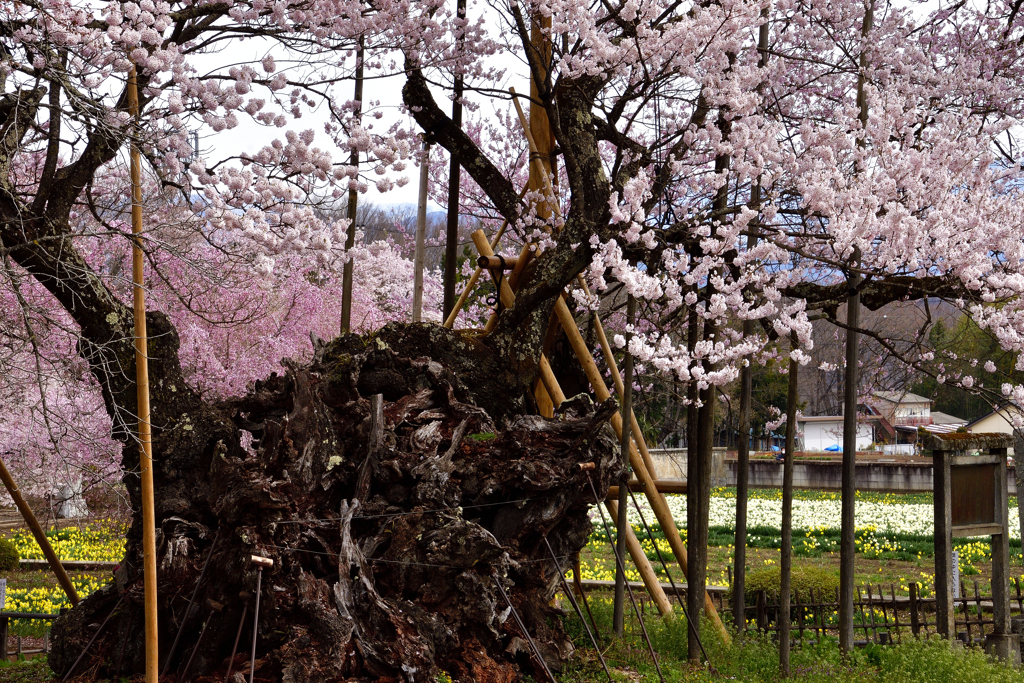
(390, 530)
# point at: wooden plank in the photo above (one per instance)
(974, 460)
(602, 583)
(642, 564)
(77, 565)
(970, 530)
(661, 485)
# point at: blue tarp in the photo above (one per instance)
(834, 449)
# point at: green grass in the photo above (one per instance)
(756, 659)
(31, 671)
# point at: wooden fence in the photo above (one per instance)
(881, 615)
(5, 620)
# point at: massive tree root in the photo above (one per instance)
(395, 483)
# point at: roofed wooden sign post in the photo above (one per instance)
(971, 500)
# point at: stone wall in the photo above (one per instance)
(810, 474)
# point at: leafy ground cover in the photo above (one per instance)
(878, 562)
(26, 671)
(756, 660)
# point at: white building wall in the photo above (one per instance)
(996, 423)
(820, 435)
(913, 410)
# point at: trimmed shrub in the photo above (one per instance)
(804, 579)
(8, 556)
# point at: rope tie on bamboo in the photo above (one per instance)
(495, 298)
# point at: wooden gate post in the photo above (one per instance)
(971, 499)
(1002, 643)
(945, 624)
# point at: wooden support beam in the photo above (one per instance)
(554, 390)
(639, 456)
(40, 536)
(661, 485)
(609, 356)
(643, 566)
(657, 500)
(152, 640)
(497, 262)
(450, 321)
(513, 281)
(508, 298)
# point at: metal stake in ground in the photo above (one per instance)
(214, 607)
(522, 627)
(188, 610)
(629, 589)
(93, 639)
(245, 596)
(575, 606)
(260, 563)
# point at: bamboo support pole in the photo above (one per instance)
(640, 458)
(663, 486)
(550, 384)
(450, 320)
(599, 328)
(545, 406)
(554, 390)
(497, 262)
(142, 393)
(508, 298)
(657, 500)
(513, 280)
(39, 534)
(606, 349)
(644, 568)
(641, 444)
(536, 164)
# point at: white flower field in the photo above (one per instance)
(889, 517)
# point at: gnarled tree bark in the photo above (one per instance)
(388, 531)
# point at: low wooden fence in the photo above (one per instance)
(881, 615)
(5, 622)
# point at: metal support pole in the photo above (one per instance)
(188, 610)
(92, 640)
(238, 637)
(522, 627)
(629, 589)
(260, 563)
(675, 588)
(576, 607)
